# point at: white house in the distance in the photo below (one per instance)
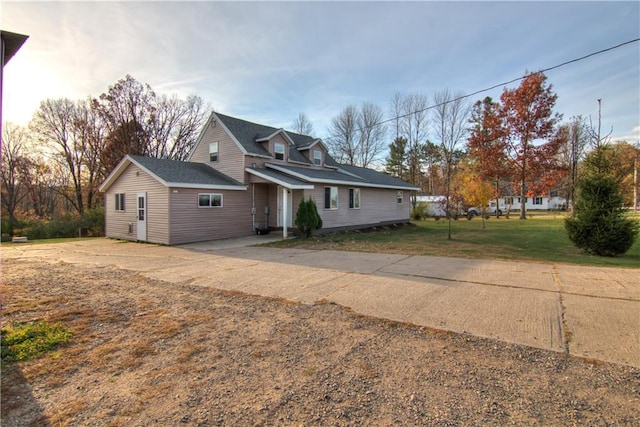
(435, 205)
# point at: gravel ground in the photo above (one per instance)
(147, 352)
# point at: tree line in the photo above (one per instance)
(476, 152)
(56, 163)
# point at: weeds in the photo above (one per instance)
(30, 341)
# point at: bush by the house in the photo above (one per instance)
(307, 217)
(91, 224)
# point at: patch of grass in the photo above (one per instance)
(540, 238)
(29, 341)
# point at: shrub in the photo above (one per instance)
(417, 213)
(600, 226)
(307, 218)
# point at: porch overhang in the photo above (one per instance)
(283, 180)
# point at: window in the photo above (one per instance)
(279, 151)
(213, 152)
(209, 200)
(520, 200)
(537, 200)
(331, 197)
(354, 198)
(400, 197)
(508, 200)
(317, 157)
(120, 202)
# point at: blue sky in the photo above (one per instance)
(267, 61)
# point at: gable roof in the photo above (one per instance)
(175, 173)
(248, 135)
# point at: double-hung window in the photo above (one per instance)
(317, 157)
(120, 202)
(206, 200)
(331, 197)
(279, 151)
(213, 152)
(537, 200)
(400, 197)
(354, 198)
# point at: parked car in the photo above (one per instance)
(488, 210)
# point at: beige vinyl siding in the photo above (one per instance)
(376, 206)
(230, 157)
(131, 182)
(190, 223)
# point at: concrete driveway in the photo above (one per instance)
(585, 311)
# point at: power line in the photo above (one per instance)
(501, 84)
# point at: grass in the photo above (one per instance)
(540, 238)
(50, 241)
(29, 341)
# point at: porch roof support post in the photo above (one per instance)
(285, 203)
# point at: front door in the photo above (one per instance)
(141, 216)
(289, 203)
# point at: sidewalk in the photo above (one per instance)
(585, 311)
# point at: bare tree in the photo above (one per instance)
(575, 137)
(411, 120)
(344, 136)
(372, 132)
(451, 118)
(14, 140)
(138, 121)
(54, 125)
(302, 125)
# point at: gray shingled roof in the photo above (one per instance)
(376, 177)
(247, 132)
(279, 176)
(179, 172)
(320, 174)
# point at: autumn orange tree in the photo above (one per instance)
(474, 189)
(487, 145)
(527, 125)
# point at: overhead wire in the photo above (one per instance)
(499, 85)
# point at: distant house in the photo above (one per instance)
(240, 177)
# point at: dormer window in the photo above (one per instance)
(317, 157)
(279, 151)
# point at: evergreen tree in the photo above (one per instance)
(397, 160)
(600, 226)
(307, 218)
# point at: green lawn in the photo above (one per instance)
(540, 238)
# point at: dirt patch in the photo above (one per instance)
(148, 352)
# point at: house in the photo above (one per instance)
(240, 177)
(536, 203)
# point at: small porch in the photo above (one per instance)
(275, 198)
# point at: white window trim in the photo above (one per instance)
(400, 197)
(217, 151)
(354, 189)
(210, 198)
(318, 159)
(337, 198)
(275, 151)
(120, 206)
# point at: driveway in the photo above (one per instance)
(584, 311)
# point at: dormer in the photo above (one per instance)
(315, 151)
(278, 144)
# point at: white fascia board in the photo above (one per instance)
(200, 136)
(279, 182)
(339, 182)
(228, 132)
(298, 163)
(207, 186)
(115, 173)
(278, 131)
